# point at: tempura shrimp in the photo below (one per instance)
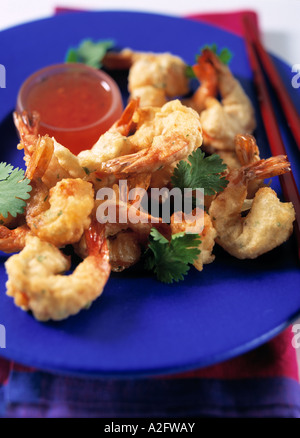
(246, 149)
(37, 155)
(36, 284)
(222, 121)
(13, 240)
(247, 152)
(208, 78)
(112, 144)
(59, 215)
(70, 204)
(172, 134)
(269, 222)
(27, 125)
(153, 77)
(125, 239)
(44, 157)
(124, 250)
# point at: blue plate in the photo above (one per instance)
(140, 326)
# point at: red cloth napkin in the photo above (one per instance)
(230, 21)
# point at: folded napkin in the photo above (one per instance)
(261, 383)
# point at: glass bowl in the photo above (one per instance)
(76, 103)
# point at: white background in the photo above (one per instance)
(279, 19)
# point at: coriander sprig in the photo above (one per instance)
(14, 189)
(200, 172)
(171, 260)
(89, 52)
(224, 55)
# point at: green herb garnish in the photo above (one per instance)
(14, 189)
(89, 52)
(224, 55)
(171, 260)
(200, 172)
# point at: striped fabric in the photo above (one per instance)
(261, 383)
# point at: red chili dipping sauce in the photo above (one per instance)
(76, 103)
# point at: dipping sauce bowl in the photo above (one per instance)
(76, 103)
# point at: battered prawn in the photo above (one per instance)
(70, 204)
(246, 149)
(27, 125)
(125, 238)
(124, 250)
(208, 78)
(36, 284)
(222, 121)
(13, 240)
(172, 134)
(246, 152)
(153, 77)
(62, 163)
(112, 144)
(269, 222)
(44, 157)
(59, 215)
(38, 153)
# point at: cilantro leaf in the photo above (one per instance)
(189, 72)
(170, 260)
(213, 47)
(71, 55)
(14, 189)
(89, 52)
(5, 170)
(224, 55)
(200, 172)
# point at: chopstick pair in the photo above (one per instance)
(257, 56)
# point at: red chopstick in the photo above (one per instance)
(277, 147)
(292, 117)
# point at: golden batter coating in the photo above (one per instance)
(36, 283)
